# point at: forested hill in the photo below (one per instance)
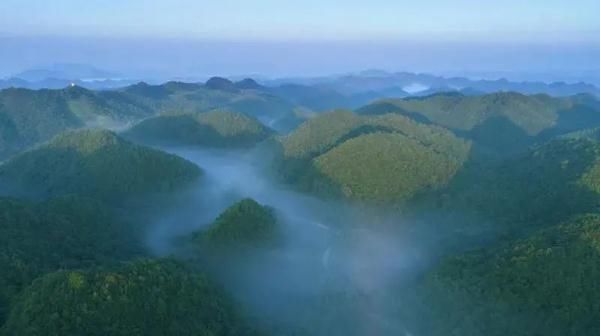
(499, 123)
(219, 129)
(94, 163)
(444, 214)
(28, 116)
(344, 154)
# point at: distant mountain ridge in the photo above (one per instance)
(378, 83)
(58, 83)
(381, 80)
(66, 71)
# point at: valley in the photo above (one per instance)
(239, 215)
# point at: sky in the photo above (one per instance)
(277, 37)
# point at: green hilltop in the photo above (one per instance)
(25, 120)
(28, 117)
(158, 297)
(245, 223)
(174, 98)
(96, 163)
(210, 129)
(499, 123)
(382, 159)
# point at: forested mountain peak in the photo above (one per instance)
(95, 163)
(220, 83)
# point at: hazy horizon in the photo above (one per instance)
(538, 40)
(395, 168)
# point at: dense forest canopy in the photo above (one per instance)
(95, 163)
(345, 207)
(209, 129)
(141, 298)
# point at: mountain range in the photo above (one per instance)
(365, 84)
(310, 208)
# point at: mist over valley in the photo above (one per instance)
(265, 168)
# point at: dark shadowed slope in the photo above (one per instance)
(542, 187)
(63, 233)
(95, 163)
(498, 123)
(209, 129)
(543, 285)
(141, 298)
(28, 117)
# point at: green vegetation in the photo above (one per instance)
(588, 133)
(319, 134)
(212, 129)
(141, 298)
(545, 186)
(28, 117)
(96, 163)
(531, 113)
(316, 98)
(175, 98)
(246, 223)
(524, 170)
(62, 233)
(385, 167)
(381, 159)
(543, 285)
(498, 123)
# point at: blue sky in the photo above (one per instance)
(307, 19)
(177, 38)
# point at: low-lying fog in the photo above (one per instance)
(336, 270)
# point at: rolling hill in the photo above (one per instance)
(417, 83)
(28, 117)
(382, 159)
(62, 233)
(542, 187)
(498, 123)
(545, 284)
(145, 297)
(245, 223)
(95, 163)
(211, 129)
(175, 98)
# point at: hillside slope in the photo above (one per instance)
(141, 298)
(211, 129)
(28, 117)
(544, 186)
(381, 159)
(62, 233)
(244, 224)
(95, 163)
(543, 285)
(499, 123)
